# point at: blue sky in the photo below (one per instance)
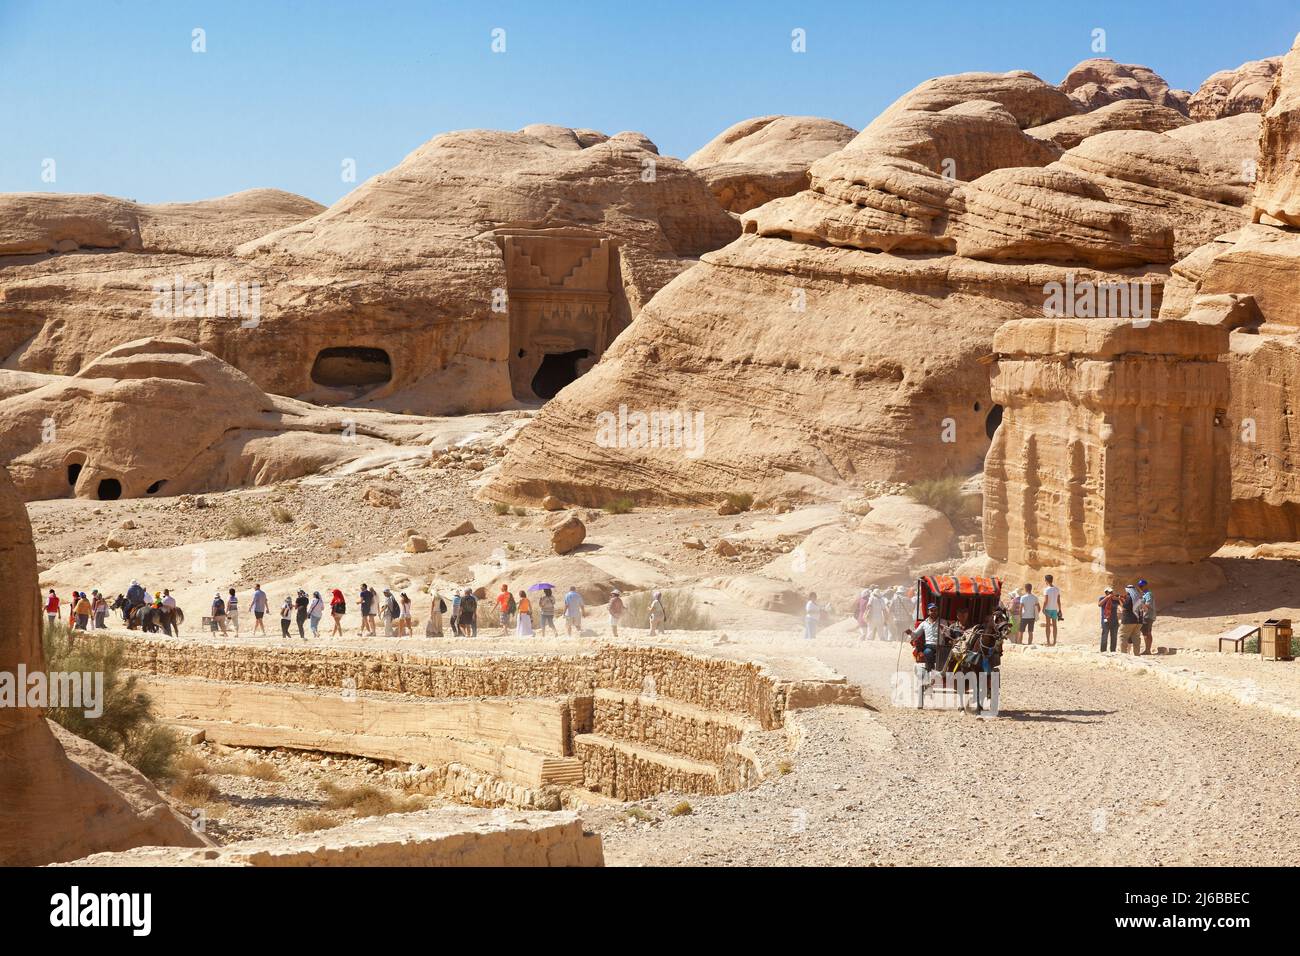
(112, 91)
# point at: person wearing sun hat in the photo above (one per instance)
(1109, 604)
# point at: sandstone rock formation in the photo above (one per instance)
(1070, 131)
(162, 416)
(1240, 90)
(1100, 81)
(841, 337)
(1246, 281)
(1113, 459)
(486, 267)
(60, 797)
(765, 157)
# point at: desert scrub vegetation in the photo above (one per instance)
(501, 508)
(282, 515)
(314, 820)
(741, 501)
(683, 612)
(127, 726)
(242, 527)
(681, 810)
(365, 800)
(620, 506)
(945, 495)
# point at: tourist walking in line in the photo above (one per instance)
(368, 600)
(468, 614)
(99, 608)
(260, 606)
(407, 627)
(658, 615)
(338, 607)
(1146, 613)
(218, 614)
(860, 612)
(575, 609)
(546, 606)
(52, 607)
(1129, 624)
(1028, 612)
(615, 610)
(1109, 603)
(301, 603)
(455, 613)
(232, 611)
(389, 612)
(811, 615)
(82, 610)
(437, 608)
(315, 611)
(1051, 611)
(505, 602)
(524, 610)
(286, 615)
(877, 615)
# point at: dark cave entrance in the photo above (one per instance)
(352, 367)
(110, 489)
(993, 420)
(557, 370)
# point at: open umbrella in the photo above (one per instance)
(542, 587)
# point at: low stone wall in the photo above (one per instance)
(623, 770)
(712, 683)
(668, 725)
(444, 837)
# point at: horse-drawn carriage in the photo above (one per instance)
(972, 626)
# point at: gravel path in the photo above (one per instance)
(1085, 765)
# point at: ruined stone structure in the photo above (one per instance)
(561, 290)
(1112, 460)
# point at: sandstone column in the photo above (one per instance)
(1112, 460)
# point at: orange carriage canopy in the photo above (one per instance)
(947, 584)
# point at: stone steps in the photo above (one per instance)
(633, 771)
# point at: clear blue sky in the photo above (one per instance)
(111, 90)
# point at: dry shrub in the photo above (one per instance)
(682, 610)
(241, 527)
(620, 506)
(365, 800)
(682, 809)
(314, 820)
(193, 788)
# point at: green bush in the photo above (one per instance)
(127, 726)
(944, 495)
(683, 611)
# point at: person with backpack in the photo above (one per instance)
(301, 603)
(1109, 603)
(388, 611)
(468, 614)
(338, 607)
(505, 607)
(524, 608)
(286, 615)
(615, 609)
(437, 608)
(232, 611)
(218, 614)
(546, 605)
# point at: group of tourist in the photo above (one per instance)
(87, 611)
(1127, 616)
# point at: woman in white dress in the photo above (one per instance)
(524, 613)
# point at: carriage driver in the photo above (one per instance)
(930, 628)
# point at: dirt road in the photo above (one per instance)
(1084, 765)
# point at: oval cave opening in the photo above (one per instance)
(993, 420)
(74, 472)
(557, 370)
(155, 487)
(352, 366)
(110, 489)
